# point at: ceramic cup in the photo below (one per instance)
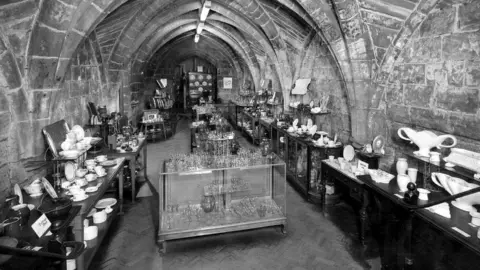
(331, 158)
(91, 177)
(99, 217)
(90, 233)
(343, 165)
(76, 191)
(91, 168)
(434, 157)
(423, 194)
(412, 173)
(22, 211)
(90, 162)
(331, 143)
(341, 159)
(11, 227)
(475, 218)
(99, 170)
(101, 158)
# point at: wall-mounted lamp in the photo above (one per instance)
(205, 9)
(197, 37)
(200, 27)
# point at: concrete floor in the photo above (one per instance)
(312, 241)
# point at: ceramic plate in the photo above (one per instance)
(36, 194)
(209, 77)
(192, 77)
(18, 192)
(348, 153)
(70, 153)
(197, 84)
(200, 77)
(108, 163)
(91, 189)
(70, 169)
(49, 188)
(378, 143)
(104, 203)
(79, 199)
(322, 133)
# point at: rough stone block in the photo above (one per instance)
(87, 19)
(42, 73)
(397, 8)
(56, 14)
(18, 11)
(39, 142)
(79, 88)
(19, 104)
(377, 123)
(25, 143)
(426, 5)
(429, 119)
(414, 20)
(70, 44)
(472, 76)
(409, 73)
(9, 75)
(423, 50)
(382, 37)
(436, 74)
(41, 104)
(418, 95)
(394, 93)
(458, 99)
(468, 18)
(5, 120)
(384, 21)
(462, 46)
(45, 41)
(465, 125)
(455, 72)
(57, 104)
(4, 104)
(438, 22)
(398, 113)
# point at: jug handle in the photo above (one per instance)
(452, 145)
(401, 135)
(434, 179)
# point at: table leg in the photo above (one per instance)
(323, 191)
(363, 218)
(120, 190)
(408, 243)
(145, 162)
(164, 131)
(132, 176)
(78, 232)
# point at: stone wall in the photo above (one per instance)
(435, 81)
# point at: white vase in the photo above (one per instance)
(402, 181)
(402, 166)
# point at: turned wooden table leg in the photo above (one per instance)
(323, 191)
(363, 218)
(408, 242)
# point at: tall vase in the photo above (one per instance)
(402, 166)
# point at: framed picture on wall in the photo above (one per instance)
(199, 68)
(227, 82)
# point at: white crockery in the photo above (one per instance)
(90, 233)
(99, 217)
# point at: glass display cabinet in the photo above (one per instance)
(317, 154)
(279, 141)
(204, 194)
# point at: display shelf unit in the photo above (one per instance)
(235, 112)
(245, 198)
(252, 131)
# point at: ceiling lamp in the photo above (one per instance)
(205, 9)
(197, 37)
(200, 27)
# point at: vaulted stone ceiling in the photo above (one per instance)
(384, 63)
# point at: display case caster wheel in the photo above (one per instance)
(283, 229)
(162, 249)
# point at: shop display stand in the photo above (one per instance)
(245, 198)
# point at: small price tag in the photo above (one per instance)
(362, 166)
(41, 225)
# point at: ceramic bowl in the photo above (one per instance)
(99, 170)
(35, 187)
(90, 162)
(81, 182)
(81, 172)
(91, 177)
(454, 186)
(475, 218)
(101, 158)
(99, 217)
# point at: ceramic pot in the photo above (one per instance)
(11, 227)
(208, 203)
(425, 140)
(21, 211)
(402, 166)
(402, 181)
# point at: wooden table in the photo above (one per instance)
(153, 126)
(331, 171)
(131, 157)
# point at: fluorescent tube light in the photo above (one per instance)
(205, 9)
(197, 37)
(200, 27)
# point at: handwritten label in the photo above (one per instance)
(362, 166)
(41, 225)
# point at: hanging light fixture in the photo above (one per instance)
(197, 37)
(200, 27)
(205, 9)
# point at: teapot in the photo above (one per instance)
(425, 140)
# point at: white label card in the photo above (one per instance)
(41, 225)
(362, 166)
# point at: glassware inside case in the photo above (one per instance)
(213, 199)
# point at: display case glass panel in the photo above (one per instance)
(203, 194)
